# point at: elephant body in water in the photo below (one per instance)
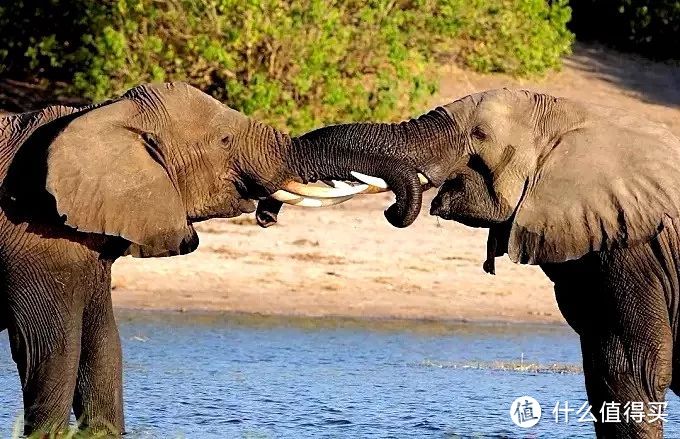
(591, 194)
(81, 187)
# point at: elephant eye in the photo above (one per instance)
(226, 139)
(478, 133)
(150, 140)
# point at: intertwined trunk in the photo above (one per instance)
(394, 152)
(313, 160)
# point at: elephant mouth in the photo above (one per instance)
(333, 192)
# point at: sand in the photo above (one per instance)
(348, 261)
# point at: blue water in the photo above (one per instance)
(203, 376)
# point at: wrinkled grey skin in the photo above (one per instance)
(591, 194)
(81, 187)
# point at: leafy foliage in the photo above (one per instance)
(515, 36)
(298, 63)
(650, 27)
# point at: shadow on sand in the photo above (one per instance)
(652, 82)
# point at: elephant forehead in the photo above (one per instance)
(495, 106)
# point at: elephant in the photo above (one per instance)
(82, 186)
(590, 194)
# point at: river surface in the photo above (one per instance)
(211, 376)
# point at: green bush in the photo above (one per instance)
(295, 63)
(649, 27)
(515, 36)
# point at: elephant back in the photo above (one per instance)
(16, 129)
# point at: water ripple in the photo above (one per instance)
(337, 422)
(225, 380)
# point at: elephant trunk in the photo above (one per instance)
(316, 158)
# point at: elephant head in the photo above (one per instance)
(147, 165)
(551, 178)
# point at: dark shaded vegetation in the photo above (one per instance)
(648, 27)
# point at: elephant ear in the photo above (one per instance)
(598, 188)
(104, 180)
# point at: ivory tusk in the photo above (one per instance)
(341, 184)
(370, 180)
(299, 194)
(303, 190)
(284, 196)
(369, 190)
(374, 190)
(320, 202)
(379, 183)
(297, 200)
(336, 183)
